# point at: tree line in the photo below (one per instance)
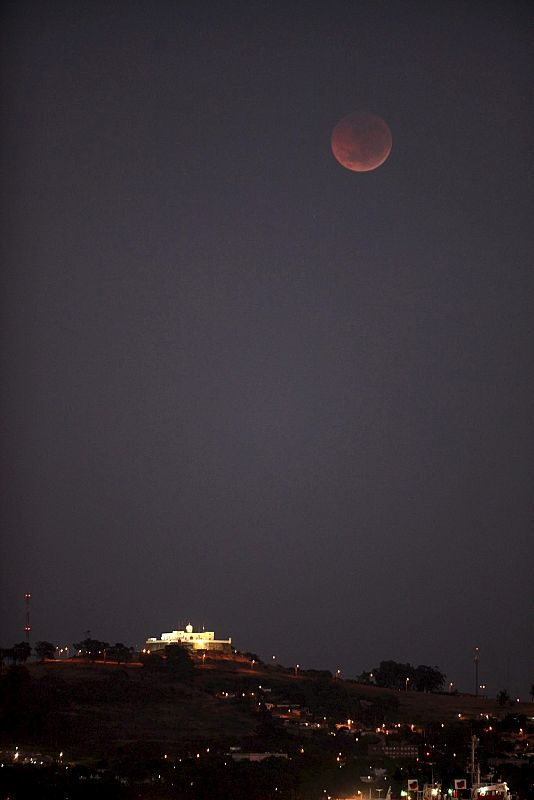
(397, 675)
(92, 649)
(174, 658)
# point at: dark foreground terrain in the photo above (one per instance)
(75, 729)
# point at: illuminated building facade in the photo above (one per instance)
(194, 640)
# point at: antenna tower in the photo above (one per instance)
(27, 627)
(475, 659)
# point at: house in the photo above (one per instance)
(396, 750)
(238, 756)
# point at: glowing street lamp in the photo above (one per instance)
(367, 779)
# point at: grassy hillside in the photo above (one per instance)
(417, 707)
(105, 709)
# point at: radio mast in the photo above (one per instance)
(27, 627)
(475, 659)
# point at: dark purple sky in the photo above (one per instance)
(243, 386)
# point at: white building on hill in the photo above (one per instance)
(195, 640)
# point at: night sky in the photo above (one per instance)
(243, 386)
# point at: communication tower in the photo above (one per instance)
(27, 627)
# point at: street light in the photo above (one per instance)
(407, 682)
(367, 779)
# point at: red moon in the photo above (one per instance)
(361, 141)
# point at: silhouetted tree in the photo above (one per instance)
(7, 654)
(152, 661)
(21, 652)
(397, 675)
(503, 698)
(91, 648)
(119, 652)
(253, 657)
(393, 674)
(427, 679)
(45, 650)
(366, 677)
(177, 659)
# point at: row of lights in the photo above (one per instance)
(482, 686)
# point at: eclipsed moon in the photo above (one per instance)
(361, 141)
